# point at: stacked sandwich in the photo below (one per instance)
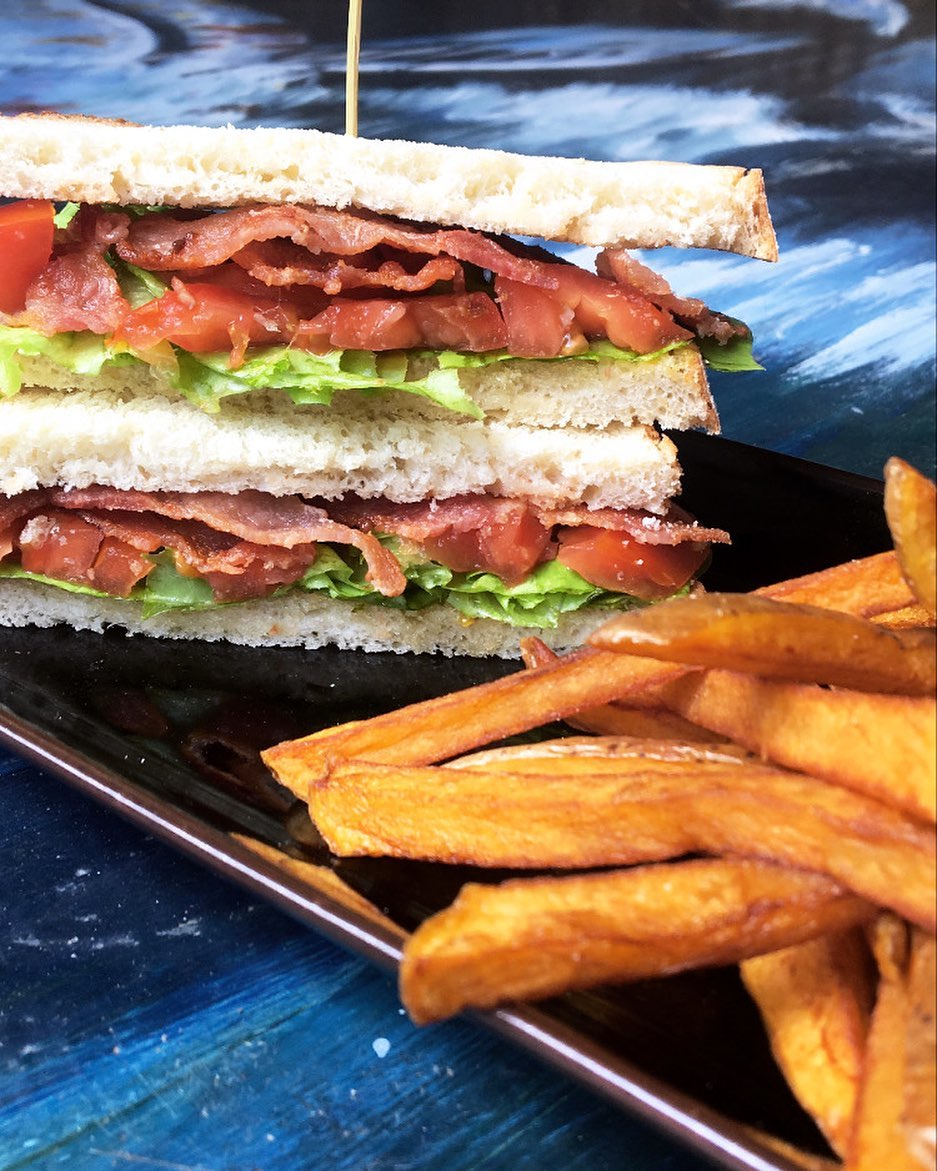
(281, 386)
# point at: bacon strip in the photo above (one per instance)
(78, 289)
(280, 264)
(12, 510)
(257, 517)
(618, 265)
(160, 242)
(425, 520)
(246, 544)
(673, 528)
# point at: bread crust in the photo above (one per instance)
(623, 204)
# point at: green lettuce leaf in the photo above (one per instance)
(539, 601)
(17, 571)
(206, 379)
(80, 352)
(66, 213)
(734, 357)
(164, 588)
(550, 591)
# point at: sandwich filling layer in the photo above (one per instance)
(312, 301)
(486, 557)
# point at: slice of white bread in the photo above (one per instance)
(297, 619)
(626, 204)
(152, 442)
(670, 391)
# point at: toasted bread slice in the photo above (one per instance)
(602, 204)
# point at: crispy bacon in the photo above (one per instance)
(253, 516)
(14, 509)
(160, 242)
(675, 527)
(429, 518)
(618, 265)
(78, 289)
(281, 264)
(235, 569)
(247, 544)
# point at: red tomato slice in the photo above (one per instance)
(60, 544)
(625, 317)
(458, 321)
(376, 324)
(539, 324)
(510, 548)
(615, 561)
(26, 231)
(204, 318)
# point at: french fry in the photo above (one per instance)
(882, 745)
(865, 587)
(438, 729)
(781, 640)
(919, 1113)
(913, 617)
(637, 810)
(587, 755)
(815, 999)
(911, 510)
(651, 720)
(614, 719)
(878, 1140)
(528, 939)
(796, 1157)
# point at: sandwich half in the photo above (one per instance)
(281, 386)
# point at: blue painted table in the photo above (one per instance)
(151, 1014)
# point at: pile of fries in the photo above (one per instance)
(757, 787)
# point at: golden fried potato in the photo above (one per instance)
(527, 939)
(911, 509)
(630, 809)
(779, 640)
(439, 729)
(865, 587)
(878, 1140)
(815, 999)
(882, 745)
(919, 1112)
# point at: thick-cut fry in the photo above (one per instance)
(588, 755)
(911, 509)
(781, 640)
(533, 938)
(438, 729)
(796, 1157)
(815, 999)
(616, 719)
(907, 618)
(878, 1141)
(919, 1114)
(642, 810)
(865, 587)
(882, 745)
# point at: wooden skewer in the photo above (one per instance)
(351, 66)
